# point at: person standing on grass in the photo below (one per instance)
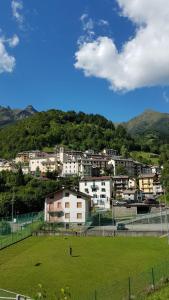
(70, 251)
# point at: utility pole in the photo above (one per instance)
(13, 197)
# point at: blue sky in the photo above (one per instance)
(41, 69)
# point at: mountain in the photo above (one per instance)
(8, 115)
(77, 131)
(149, 121)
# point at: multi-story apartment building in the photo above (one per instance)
(24, 157)
(150, 184)
(99, 188)
(49, 163)
(110, 152)
(67, 206)
(126, 163)
(120, 184)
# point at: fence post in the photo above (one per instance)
(95, 295)
(129, 288)
(153, 278)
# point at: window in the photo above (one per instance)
(103, 190)
(85, 183)
(67, 216)
(79, 216)
(103, 183)
(102, 196)
(94, 189)
(86, 190)
(95, 196)
(79, 204)
(59, 205)
(67, 194)
(67, 204)
(78, 196)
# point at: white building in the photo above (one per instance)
(99, 188)
(49, 163)
(67, 206)
(132, 183)
(6, 165)
(81, 167)
(126, 163)
(24, 157)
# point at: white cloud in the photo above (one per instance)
(103, 22)
(17, 7)
(7, 62)
(143, 60)
(14, 41)
(88, 29)
(165, 97)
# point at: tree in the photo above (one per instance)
(121, 170)
(124, 151)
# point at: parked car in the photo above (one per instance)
(121, 226)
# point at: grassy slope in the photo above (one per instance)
(145, 155)
(97, 262)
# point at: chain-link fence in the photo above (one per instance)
(20, 227)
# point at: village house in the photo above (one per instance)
(132, 195)
(150, 184)
(24, 157)
(120, 184)
(67, 206)
(126, 163)
(6, 165)
(44, 165)
(100, 190)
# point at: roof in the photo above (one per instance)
(77, 192)
(129, 191)
(150, 175)
(121, 177)
(96, 178)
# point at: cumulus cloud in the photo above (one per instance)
(14, 41)
(7, 62)
(17, 7)
(143, 60)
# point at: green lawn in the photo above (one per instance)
(99, 263)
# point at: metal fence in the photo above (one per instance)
(132, 288)
(22, 226)
(8, 295)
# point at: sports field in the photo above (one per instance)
(98, 263)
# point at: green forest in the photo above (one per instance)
(75, 130)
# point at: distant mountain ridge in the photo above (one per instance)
(149, 120)
(9, 115)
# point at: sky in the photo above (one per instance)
(108, 57)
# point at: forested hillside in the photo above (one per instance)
(75, 130)
(150, 130)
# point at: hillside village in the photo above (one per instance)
(105, 178)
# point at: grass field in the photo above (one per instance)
(97, 263)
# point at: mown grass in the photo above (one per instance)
(98, 263)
